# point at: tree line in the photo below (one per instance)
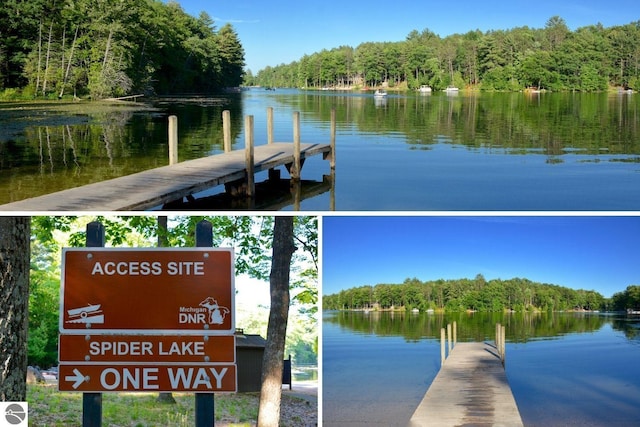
(454, 295)
(627, 299)
(110, 48)
(591, 58)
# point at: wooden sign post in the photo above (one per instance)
(147, 319)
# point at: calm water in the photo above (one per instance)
(408, 152)
(564, 369)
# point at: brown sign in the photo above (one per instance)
(105, 378)
(147, 348)
(160, 291)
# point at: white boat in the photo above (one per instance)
(380, 93)
(424, 89)
(451, 89)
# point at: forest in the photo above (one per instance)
(589, 59)
(111, 48)
(478, 294)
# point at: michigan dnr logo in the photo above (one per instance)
(208, 312)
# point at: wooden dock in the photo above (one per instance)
(470, 389)
(155, 187)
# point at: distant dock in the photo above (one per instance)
(164, 185)
(471, 389)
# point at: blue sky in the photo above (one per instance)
(580, 252)
(282, 31)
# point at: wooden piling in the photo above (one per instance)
(332, 161)
(503, 343)
(270, 125)
(500, 341)
(443, 356)
(498, 346)
(449, 336)
(173, 140)
(226, 130)
(249, 157)
(455, 333)
(295, 168)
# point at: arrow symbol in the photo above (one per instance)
(77, 377)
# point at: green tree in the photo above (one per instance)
(231, 57)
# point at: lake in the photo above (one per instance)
(563, 368)
(502, 151)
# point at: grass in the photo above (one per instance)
(49, 407)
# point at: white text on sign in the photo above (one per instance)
(126, 349)
(133, 378)
(147, 378)
(147, 268)
(145, 348)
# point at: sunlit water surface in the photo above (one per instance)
(563, 369)
(408, 152)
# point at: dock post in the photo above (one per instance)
(173, 140)
(332, 162)
(449, 336)
(455, 333)
(226, 130)
(442, 348)
(503, 351)
(295, 168)
(500, 341)
(248, 132)
(270, 125)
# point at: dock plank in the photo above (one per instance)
(470, 389)
(153, 187)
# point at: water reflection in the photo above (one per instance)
(553, 124)
(520, 327)
(563, 368)
(629, 325)
(530, 152)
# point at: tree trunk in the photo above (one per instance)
(39, 58)
(46, 65)
(66, 74)
(14, 306)
(272, 362)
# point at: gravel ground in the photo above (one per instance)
(299, 407)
